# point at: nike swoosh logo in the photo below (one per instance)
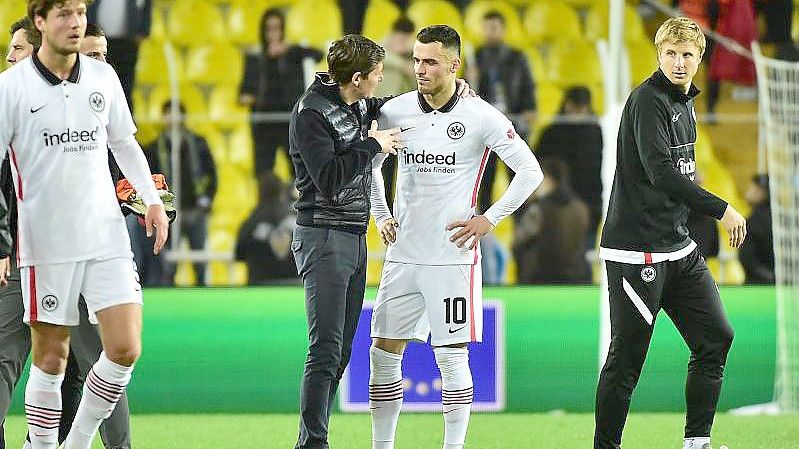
(33, 111)
(676, 117)
(456, 330)
(407, 128)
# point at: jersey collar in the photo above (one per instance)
(74, 75)
(448, 106)
(662, 80)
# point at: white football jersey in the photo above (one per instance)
(57, 133)
(439, 168)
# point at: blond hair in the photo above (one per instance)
(680, 29)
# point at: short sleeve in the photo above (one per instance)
(120, 121)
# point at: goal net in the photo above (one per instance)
(778, 85)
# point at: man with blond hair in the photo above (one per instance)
(652, 263)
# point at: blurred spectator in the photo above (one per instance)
(494, 260)
(757, 252)
(778, 15)
(264, 240)
(194, 193)
(126, 23)
(273, 81)
(503, 78)
(576, 138)
(549, 236)
(352, 14)
(703, 229)
(398, 77)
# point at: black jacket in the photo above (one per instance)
(198, 178)
(508, 67)
(276, 83)
(332, 160)
(653, 188)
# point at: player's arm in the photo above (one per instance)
(386, 224)
(328, 170)
(6, 243)
(651, 130)
(131, 160)
(500, 136)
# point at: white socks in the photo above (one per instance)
(457, 394)
(104, 386)
(43, 408)
(696, 443)
(385, 396)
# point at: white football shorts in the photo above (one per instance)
(443, 301)
(50, 291)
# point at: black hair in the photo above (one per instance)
(444, 34)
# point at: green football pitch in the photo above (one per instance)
(424, 431)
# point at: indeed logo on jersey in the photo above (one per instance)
(72, 141)
(423, 158)
(687, 167)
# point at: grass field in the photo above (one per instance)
(424, 431)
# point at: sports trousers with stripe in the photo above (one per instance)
(85, 348)
(686, 291)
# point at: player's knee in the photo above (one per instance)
(390, 345)
(51, 362)
(125, 355)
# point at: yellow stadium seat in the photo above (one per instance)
(315, 23)
(195, 22)
(218, 146)
(224, 111)
(548, 97)
(642, 56)
(379, 18)
(473, 21)
(243, 22)
(551, 21)
(574, 63)
(158, 25)
(152, 65)
(435, 12)
(10, 12)
(240, 150)
(596, 23)
(215, 64)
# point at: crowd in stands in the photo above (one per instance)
(551, 106)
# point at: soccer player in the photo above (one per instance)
(94, 43)
(651, 261)
(431, 278)
(58, 112)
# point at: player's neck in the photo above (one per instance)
(438, 99)
(57, 63)
(350, 94)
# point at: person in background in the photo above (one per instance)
(195, 191)
(757, 252)
(126, 24)
(264, 240)
(504, 79)
(273, 81)
(549, 237)
(398, 78)
(576, 138)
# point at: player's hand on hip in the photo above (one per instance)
(5, 270)
(735, 224)
(387, 138)
(475, 228)
(388, 230)
(155, 217)
(463, 89)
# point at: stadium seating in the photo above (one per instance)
(315, 23)
(574, 63)
(379, 17)
(435, 12)
(240, 150)
(224, 110)
(596, 24)
(473, 21)
(243, 22)
(550, 21)
(152, 66)
(186, 19)
(643, 60)
(214, 64)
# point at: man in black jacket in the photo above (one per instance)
(332, 158)
(652, 263)
(757, 253)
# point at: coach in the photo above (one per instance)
(332, 162)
